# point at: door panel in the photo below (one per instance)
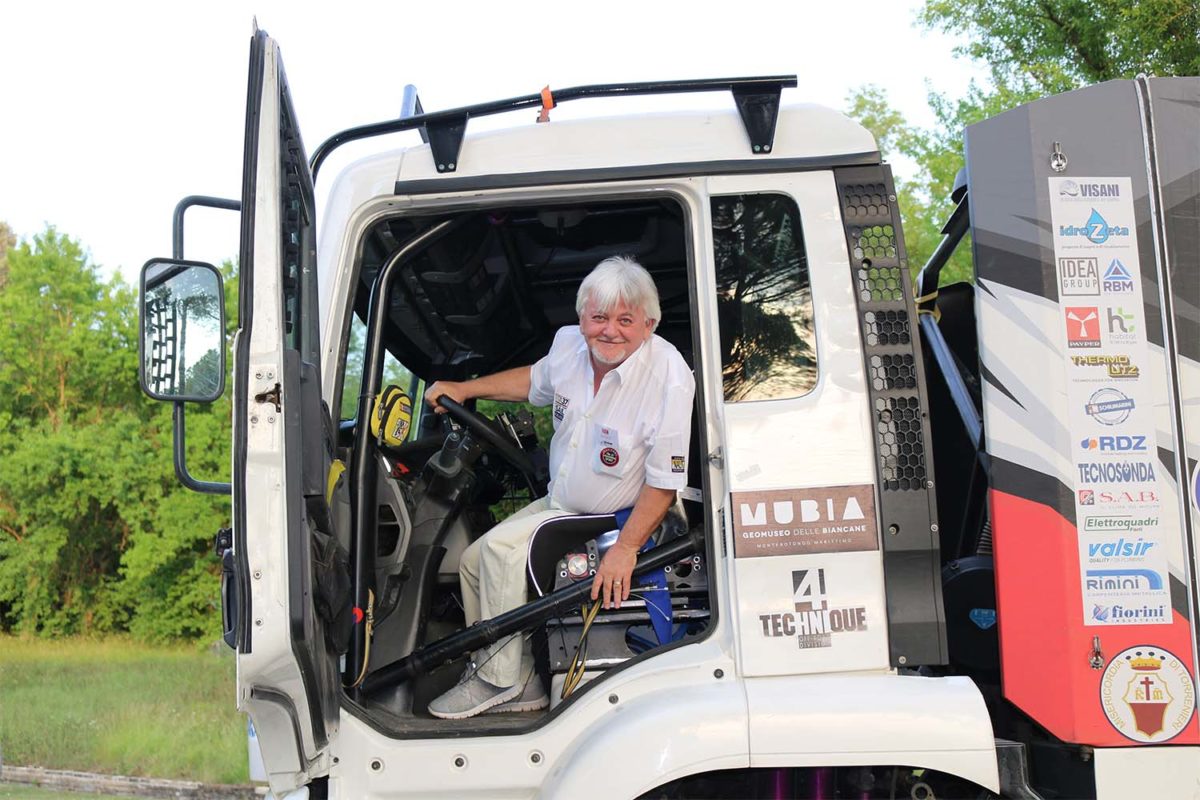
(799, 451)
(288, 679)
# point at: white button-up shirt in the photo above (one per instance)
(633, 431)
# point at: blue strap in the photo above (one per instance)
(653, 588)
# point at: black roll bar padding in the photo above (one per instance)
(948, 367)
(497, 441)
(952, 233)
(178, 419)
(561, 603)
(362, 495)
(453, 117)
(927, 283)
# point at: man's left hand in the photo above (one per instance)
(613, 578)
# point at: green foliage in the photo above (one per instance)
(96, 534)
(7, 241)
(121, 708)
(1032, 48)
(923, 197)
(1042, 47)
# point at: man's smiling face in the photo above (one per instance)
(614, 334)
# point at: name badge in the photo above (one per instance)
(607, 457)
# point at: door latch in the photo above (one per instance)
(1096, 657)
(717, 458)
(270, 396)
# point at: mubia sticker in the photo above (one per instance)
(781, 522)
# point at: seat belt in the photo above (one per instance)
(652, 586)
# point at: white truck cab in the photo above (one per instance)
(790, 638)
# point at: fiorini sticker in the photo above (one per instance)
(781, 522)
(1147, 694)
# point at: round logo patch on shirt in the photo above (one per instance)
(609, 457)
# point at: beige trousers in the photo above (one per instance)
(492, 575)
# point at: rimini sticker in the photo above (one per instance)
(1147, 694)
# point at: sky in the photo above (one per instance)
(112, 112)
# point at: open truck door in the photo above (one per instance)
(287, 561)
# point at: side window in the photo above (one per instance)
(764, 302)
(394, 373)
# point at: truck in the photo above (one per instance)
(822, 614)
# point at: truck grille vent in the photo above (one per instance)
(865, 200)
(895, 384)
(893, 372)
(901, 450)
(886, 327)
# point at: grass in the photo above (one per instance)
(121, 708)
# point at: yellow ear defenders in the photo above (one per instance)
(391, 417)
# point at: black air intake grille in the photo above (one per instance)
(895, 379)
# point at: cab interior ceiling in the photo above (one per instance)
(491, 295)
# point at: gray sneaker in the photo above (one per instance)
(470, 696)
(533, 697)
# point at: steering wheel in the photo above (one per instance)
(479, 426)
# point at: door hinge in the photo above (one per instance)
(270, 396)
(717, 458)
(223, 541)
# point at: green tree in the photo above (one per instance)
(96, 535)
(7, 242)
(1032, 48)
(1045, 47)
(924, 195)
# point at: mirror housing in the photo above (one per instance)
(181, 331)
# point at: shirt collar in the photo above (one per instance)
(626, 367)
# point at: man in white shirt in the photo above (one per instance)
(622, 400)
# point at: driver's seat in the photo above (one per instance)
(665, 605)
(561, 535)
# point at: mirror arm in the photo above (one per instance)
(178, 418)
(181, 470)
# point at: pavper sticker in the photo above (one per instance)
(778, 522)
(1147, 694)
(1083, 326)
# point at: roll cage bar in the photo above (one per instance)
(757, 100)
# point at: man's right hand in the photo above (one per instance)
(452, 389)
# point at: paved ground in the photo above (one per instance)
(16, 791)
(35, 783)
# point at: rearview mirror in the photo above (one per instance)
(182, 331)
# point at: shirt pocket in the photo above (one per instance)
(609, 454)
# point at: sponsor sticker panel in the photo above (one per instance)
(1123, 564)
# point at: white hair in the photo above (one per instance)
(620, 279)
